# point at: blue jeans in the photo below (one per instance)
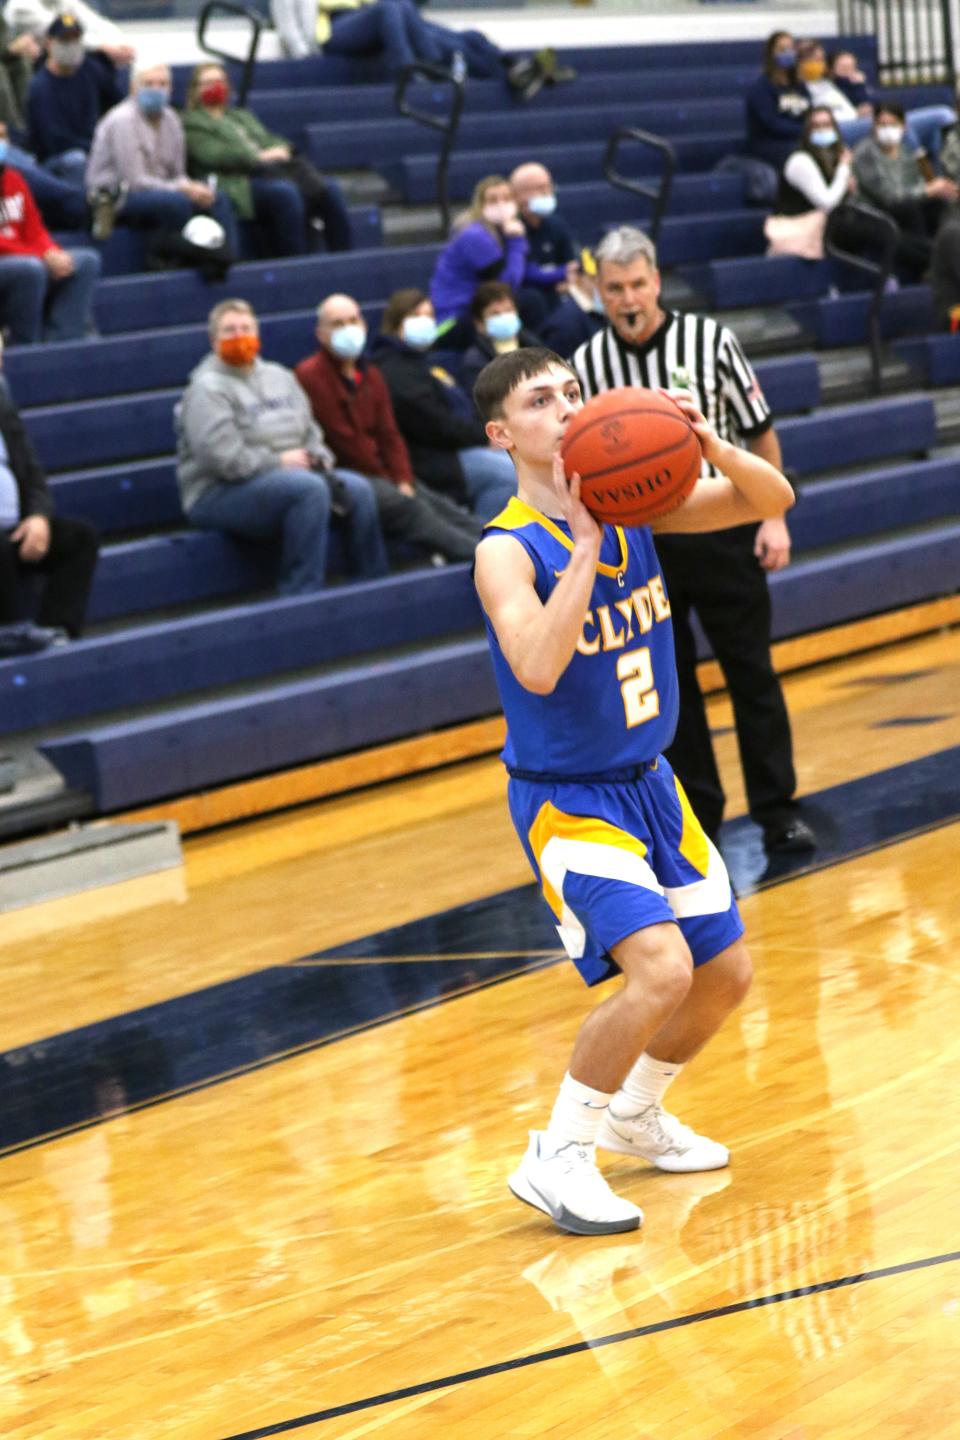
(171, 209)
(924, 129)
(294, 506)
(70, 166)
(278, 207)
(63, 206)
(490, 479)
(34, 306)
(387, 27)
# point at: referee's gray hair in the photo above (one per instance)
(624, 245)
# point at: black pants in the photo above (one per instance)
(427, 520)
(720, 578)
(66, 572)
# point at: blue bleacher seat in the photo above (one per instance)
(936, 357)
(849, 435)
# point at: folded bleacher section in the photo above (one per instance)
(195, 675)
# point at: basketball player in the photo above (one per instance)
(722, 577)
(579, 627)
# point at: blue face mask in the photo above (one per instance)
(419, 331)
(348, 341)
(823, 137)
(785, 59)
(542, 205)
(4, 148)
(152, 99)
(503, 327)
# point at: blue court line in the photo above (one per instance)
(64, 1083)
(578, 1347)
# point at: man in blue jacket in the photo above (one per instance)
(67, 97)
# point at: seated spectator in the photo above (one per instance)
(945, 274)
(924, 126)
(445, 436)
(138, 165)
(258, 171)
(34, 541)
(45, 292)
(67, 97)
(551, 254)
(350, 399)
(577, 318)
(497, 330)
(396, 31)
(34, 18)
(777, 102)
(489, 243)
(889, 176)
(251, 460)
(62, 205)
(17, 58)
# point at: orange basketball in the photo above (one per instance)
(636, 454)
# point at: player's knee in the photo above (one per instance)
(658, 966)
(737, 972)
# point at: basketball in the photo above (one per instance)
(636, 454)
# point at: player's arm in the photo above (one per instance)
(749, 487)
(539, 640)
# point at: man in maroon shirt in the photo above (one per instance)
(351, 403)
(45, 291)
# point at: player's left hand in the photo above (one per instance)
(710, 442)
(772, 545)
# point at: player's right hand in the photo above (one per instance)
(584, 529)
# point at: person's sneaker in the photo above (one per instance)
(527, 78)
(567, 1186)
(791, 837)
(104, 205)
(656, 1135)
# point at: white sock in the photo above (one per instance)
(646, 1085)
(576, 1115)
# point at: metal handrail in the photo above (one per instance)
(228, 7)
(448, 124)
(659, 194)
(882, 270)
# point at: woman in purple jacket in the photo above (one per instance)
(490, 243)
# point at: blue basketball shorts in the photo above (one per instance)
(613, 858)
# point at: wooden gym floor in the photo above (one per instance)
(256, 1118)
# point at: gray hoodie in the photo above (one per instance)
(233, 424)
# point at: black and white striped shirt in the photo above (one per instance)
(687, 352)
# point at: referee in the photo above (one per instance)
(721, 575)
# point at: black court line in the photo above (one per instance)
(522, 1362)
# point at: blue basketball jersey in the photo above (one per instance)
(615, 705)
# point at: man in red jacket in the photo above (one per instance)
(351, 403)
(45, 292)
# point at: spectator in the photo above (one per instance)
(497, 328)
(61, 204)
(551, 254)
(889, 176)
(46, 292)
(258, 171)
(67, 97)
(396, 31)
(723, 575)
(17, 58)
(138, 165)
(351, 401)
(490, 244)
(950, 154)
(34, 540)
(446, 438)
(817, 179)
(577, 318)
(924, 126)
(777, 102)
(252, 461)
(34, 18)
(945, 274)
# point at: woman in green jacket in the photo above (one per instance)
(258, 171)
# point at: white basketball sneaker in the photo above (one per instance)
(569, 1188)
(656, 1135)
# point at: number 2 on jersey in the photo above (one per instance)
(640, 700)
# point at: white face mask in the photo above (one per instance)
(543, 205)
(500, 213)
(889, 135)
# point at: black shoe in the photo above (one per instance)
(527, 78)
(790, 837)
